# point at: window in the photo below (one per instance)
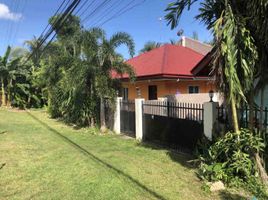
(152, 92)
(193, 89)
(125, 94)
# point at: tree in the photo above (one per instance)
(4, 74)
(236, 56)
(150, 45)
(35, 50)
(76, 72)
(107, 61)
(12, 72)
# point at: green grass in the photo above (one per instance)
(42, 158)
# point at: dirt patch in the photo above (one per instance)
(126, 137)
(16, 110)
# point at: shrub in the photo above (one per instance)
(231, 160)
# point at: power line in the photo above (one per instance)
(122, 11)
(9, 23)
(57, 23)
(108, 10)
(23, 6)
(95, 10)
(61, 25)
(56, 12)
(60, 21)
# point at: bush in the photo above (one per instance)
(231, 160)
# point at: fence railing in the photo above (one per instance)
(128, 105)
(259, 116)
(178, 110)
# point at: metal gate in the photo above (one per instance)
(127, 118)
(178, 125)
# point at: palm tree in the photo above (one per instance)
(238, 27)
(4, 74)
(107, 60)
(150, 45)
(35, 50)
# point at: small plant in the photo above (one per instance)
(231, 160)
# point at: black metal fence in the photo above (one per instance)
(259, 117)
(127, 118)
(179, 125)
(178, 110)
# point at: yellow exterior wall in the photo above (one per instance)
(166, 87)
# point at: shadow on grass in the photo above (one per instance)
(2, 165)
(182, 157)
(230, 196)
(92, 156)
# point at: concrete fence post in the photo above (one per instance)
(139, 119)
(210, 117)
(117, 115)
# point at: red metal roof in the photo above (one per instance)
(165, 61)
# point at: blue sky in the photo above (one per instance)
(26, 18)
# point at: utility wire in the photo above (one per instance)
(17, 28)
(57, 11)
(58, 23)
(105, 16)
(61, 25)
(95, 10)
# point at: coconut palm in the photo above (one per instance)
(150, 45)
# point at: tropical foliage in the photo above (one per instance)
(239, 56)
(150, 45)
(72, 75)
(231, 159)
(16, 80)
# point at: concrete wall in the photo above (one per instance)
(166, 87)
(198, 98)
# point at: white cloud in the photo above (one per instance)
(5, 13)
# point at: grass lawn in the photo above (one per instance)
(41, 158)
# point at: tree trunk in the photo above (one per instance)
(263, 174)
(234, 116)
(3, 92)
(102, 116)
(9, 93)
(92, 122)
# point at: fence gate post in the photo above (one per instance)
(210, 117)
(139, 118)
(117, 115)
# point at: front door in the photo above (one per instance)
(152, 92)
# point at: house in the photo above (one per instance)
(195, 45)
(167, 72)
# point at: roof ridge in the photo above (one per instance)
(164, 58)
(145, 53)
